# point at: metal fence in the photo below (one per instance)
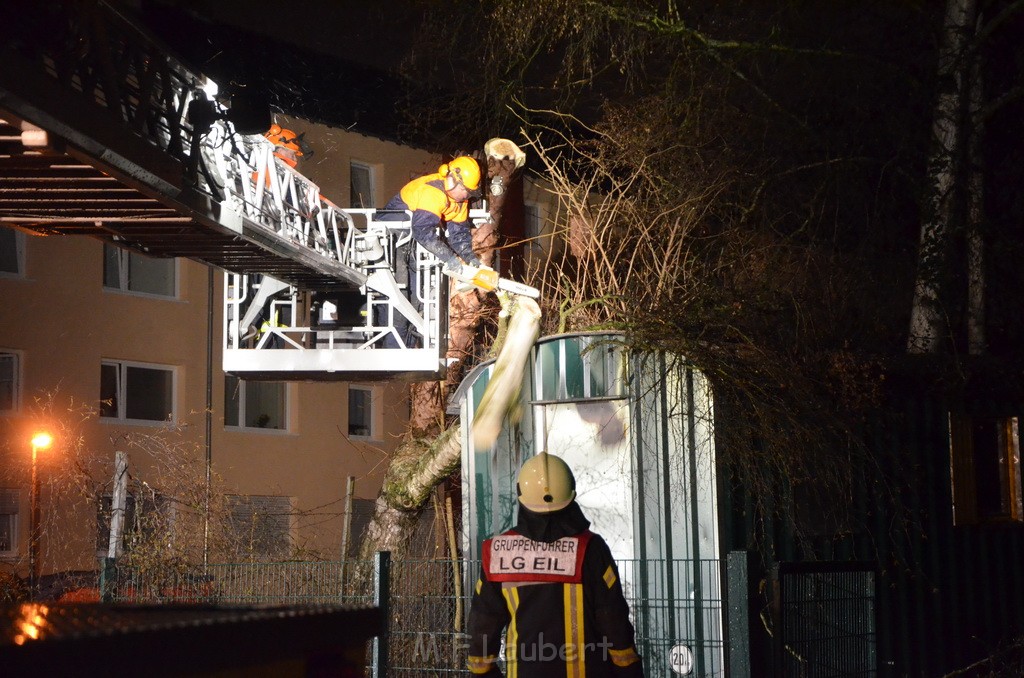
(824, 613)
(677, 611)
(264, 584)
(826, 619)
(676, 605)
(427, 600)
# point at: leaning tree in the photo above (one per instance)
(744, 185)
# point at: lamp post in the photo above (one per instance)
(40, 441)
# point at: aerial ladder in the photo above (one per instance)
(103, 132)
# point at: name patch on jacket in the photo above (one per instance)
(511, 557)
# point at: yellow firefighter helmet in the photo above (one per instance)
(545, 484)
(463, 170)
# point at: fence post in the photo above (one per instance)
(108, 574)
(738, 620)
(382, 600)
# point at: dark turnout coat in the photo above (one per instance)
(552, 586)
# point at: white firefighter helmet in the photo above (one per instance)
(545, 484)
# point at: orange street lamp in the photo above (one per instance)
(40, 441)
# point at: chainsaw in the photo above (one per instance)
(486, 278)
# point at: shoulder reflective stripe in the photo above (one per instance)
(609, 576)
(479, 586)
(512, 634)
(574, 631)
(624, 657)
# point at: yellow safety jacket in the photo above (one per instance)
(432, 210)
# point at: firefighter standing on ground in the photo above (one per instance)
(554, 584)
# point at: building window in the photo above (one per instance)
(12, 252)
(8, 522)
(261, 525)
(360, 185)
(136, 392)
(129, 271)
(148, 520)
(360, 411)
(255, 404)
(10, 381)
(985, 469)
(533, 227)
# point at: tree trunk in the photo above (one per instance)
(432, 450)
(416, 468)
(926, 319)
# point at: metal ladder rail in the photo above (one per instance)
(258, 186)
(122, 100)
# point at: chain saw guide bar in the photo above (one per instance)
(486, 278)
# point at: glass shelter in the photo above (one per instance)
(637, 430)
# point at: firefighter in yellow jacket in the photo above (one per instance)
(440, 202)
(554, 584)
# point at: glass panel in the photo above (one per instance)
(617, 371)
(605, 364)
(573, 369)
(8, 383)
(577, 368)
(150, 275)
(7, 532)
(990, 497)
(108, 390)
(595, 356)
(360, 186)
(231, 400)
(10, 242)
(148, 394)
(111, 267)
(359, 412)
(264, 405)
(547, 369)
